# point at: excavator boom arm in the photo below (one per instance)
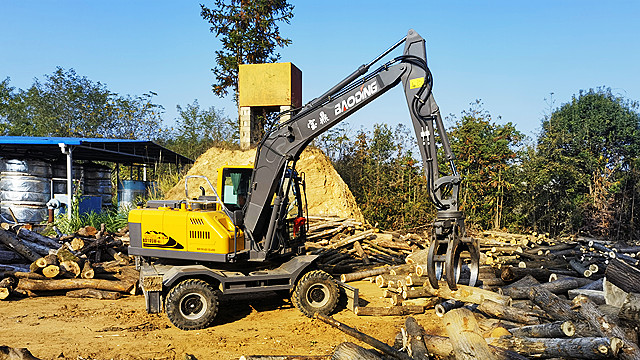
(282, 147)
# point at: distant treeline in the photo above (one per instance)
(580, 175)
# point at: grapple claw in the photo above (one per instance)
(452, 255)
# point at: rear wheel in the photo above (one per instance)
(315, 292)
(192, 304)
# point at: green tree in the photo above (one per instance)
(584, 172)
(382, 173)
(67, 104)
(199, 129)
(249, 32)
(484, 153)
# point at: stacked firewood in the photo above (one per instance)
(346, 245)
(90, 263)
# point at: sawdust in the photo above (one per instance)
(327, 193)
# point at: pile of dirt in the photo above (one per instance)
(327, 193)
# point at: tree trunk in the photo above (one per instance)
(418, 257)
(72, 284)
(383, 280)
(6, 287)
(555, 287)
(574, 348)
(404, 269)
(466, 294)
(37, 238)
(427, 303)
(348, 351)
(361, 253)
(351, 239)
(558, 329)
(604, 326)
(414, 293)
(414, 280)
(8, 257)
(87, 271)
(12, 242)
(51, 271)
(445, 306)
(554, 306)
(441, 347)
(505, 312)
(389, 311)
(8, 353)
(463, 330)
(14, 267)
(579, 268)
(630, 309)
(94, 293)
(511, 273)
(363, 337)
(623, 275)
(526, 281)
(596, 296)
(71, 267)
(416, 347)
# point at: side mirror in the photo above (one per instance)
(238, 218)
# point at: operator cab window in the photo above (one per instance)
(235, 187)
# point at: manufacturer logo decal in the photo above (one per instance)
(323, 118)
(159, 240)
(364, 93)
(312, 124)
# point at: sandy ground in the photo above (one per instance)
(56, 327)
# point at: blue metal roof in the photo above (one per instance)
(124, 151)
(48, 140)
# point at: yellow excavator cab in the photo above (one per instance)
(198, 229)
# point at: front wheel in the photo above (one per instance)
(315, 292)
(192, 304)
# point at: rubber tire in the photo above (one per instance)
(315, 283)
(201, 293)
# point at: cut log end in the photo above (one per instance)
(568, 328)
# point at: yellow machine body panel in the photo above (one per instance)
(203, 231)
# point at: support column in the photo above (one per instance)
(287, 116)
(246, 122)
(68, 150)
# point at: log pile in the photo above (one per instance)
(89, 263)
(346, 245)
(538, 298)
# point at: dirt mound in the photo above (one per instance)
(327, 193)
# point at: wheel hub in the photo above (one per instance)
(318, 295)
(193, 306)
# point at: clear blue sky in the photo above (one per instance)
(511, 54)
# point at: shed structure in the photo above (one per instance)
(32, 162)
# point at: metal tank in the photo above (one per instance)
(97, 182)
(24, 190)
